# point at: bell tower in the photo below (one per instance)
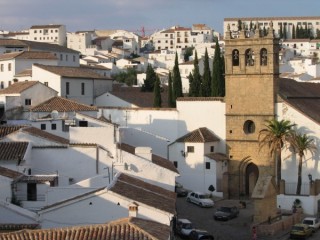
(252, 73)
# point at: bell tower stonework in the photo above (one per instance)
(251, 73)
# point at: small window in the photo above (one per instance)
(211, 148)
(235, 57)
(53, 126)
(67, 88)
(9, 66)
(175, 163)
(46, 84)
(1, 67)
(190, 149)
(2, 85)
(27, 102)
(43, 126)
(207, 165)
(249, 127)
(61, 57)
(82, 89)
(74, 58)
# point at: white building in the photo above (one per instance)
(52, 33)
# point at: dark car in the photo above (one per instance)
(198, 234)
(226, 213)
(181, 192)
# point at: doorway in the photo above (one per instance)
(251, 178)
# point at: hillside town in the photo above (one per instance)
(100, 130)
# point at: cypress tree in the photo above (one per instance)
(157, 93)
(206, 78)
(176, 82)
(217, 83)
(196, 82)
(170, 97)
(293, 32)
(191, 92)
(150, 79)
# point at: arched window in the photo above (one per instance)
(249, 127)
(235, 57)
(263, 57)
(249, 55)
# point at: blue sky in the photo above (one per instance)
(133, 14)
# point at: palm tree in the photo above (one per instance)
(302, 144)
(274, 137)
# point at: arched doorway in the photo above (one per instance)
(251, 178)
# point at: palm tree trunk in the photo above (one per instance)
(278, 159)
(299, 174)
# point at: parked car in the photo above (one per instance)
(183, 227)
(180, 190)
(312, 222)
(300, 230)
(200, 199)
(226, 213)
(198, 234)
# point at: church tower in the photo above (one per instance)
(251, 73)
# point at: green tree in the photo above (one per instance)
(217, 83)
(191, 92)
(187, 53)
(301, 144)
(318, 34)
(293, 32)
(195, 84)
(176, 81)
(274, 136)
(128, 77)
(206, 77)
(150, 80)
(170, 93)
(157, 93)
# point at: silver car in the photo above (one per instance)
(200, 199)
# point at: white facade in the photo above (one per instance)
(49, 33)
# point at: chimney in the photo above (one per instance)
(133, 210)
(145, 152)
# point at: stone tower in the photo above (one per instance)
(252, 73)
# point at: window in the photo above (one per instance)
(35, 38)
(207, 165)
(53, 126)
(67, 88)
(74, 58)
(82, 88)
(211, 148)
(175, 163)
(1, 67)
(249, 54)
(32, 192)
(43, 126)
(263, 57)
(2, 85)
(61, 57)
(190, 149)
(66, 57)
(27, 102)
(9, 66)
(249, 127)
(35, 31)
(46, 84)
(235, 57)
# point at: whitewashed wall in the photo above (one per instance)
(5, 186)
(308, 203)
(13, 214)
(38, 74)
(109, 100)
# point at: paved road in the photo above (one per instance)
(235, 229)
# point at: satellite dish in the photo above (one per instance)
(54, 114)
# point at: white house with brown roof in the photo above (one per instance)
(51, 33)
(16, 62)
(21, 96)
(80, 84)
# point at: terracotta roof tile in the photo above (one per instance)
(62, 105)
(8, 129)
(28, 55)
(72, 72)
(143, 192)
(12, 150)
(200, 135)
(37, 179)
(25, 72)
(46, 26)
(18, 87)
(186, 99)
(126, 229)
(303, 96)
(162, 162)
(217, 156)
(43, 134)
(15, 227)
(6, 172)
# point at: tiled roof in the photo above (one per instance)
(6, 172)
(122, 229)
(12, 150)
(186, 99)
(303, 96)
(187, 63)
(62, 105)
(218, 156)
(15, 227)
(135, 96)
(8, 129)
(18, 87)
(146, 193)
(43, 134)
(162, 162)
(46, 26)
(72, 72)
(12, 43)
(95, 67)
(28, 55)
(25, 72)
(200, 26)
(37, 179)
(200, 135)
